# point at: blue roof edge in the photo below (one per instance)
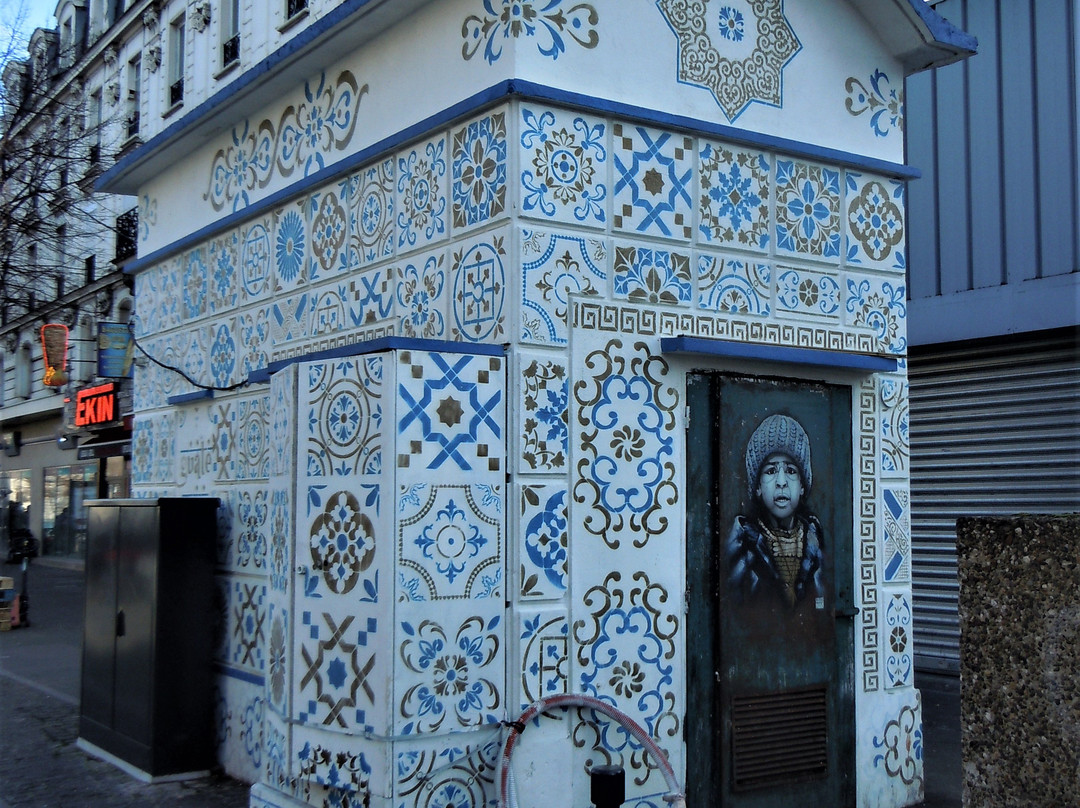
(942, 30)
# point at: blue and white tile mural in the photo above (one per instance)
(454, 473)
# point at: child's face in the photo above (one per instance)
(780, 487)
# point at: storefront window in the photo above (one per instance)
(14, 502)
(64, 516)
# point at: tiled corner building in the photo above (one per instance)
(455, 482)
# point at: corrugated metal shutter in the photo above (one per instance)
(995, 430)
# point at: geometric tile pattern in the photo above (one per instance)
(545, 650)
(450, 412)
(335, 663)
(553, 267)
(653, 181)
(421, 194)
(867, 524)
(344, 417)
(478, 170)
(737, 51)
(427, 778)
(371, 214)
(896, 555)
(478, 292)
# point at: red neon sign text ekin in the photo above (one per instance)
(95, 405)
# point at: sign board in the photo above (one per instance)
(96, 405)
(115, 351)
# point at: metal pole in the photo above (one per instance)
(24, 597)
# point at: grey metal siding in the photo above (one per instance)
(996, 139)
(995, 430)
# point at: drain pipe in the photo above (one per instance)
(674, 797)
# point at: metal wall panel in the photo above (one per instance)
(996, 139)
(995, 430)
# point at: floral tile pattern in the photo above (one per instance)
(452, 675)
(899, 663)
(421, 296)
(450, 543)
(564, 163)
(372, 214)
(734, 196)
(734, 285)
(737, 51)
(555, 266)
(807, 209)
(543, 401)
(544, 542)
(224, 272)
(895, 442)
(875, 221)
(649, 275)
(880, 306)
(330, 229)
(549, 22)
(896, 557)
(478, 294)
(255, 257)
(290, 248)
(544, 636)
(428, 774)
(654, 174)
(195, 284)
(344, 434)
(881, 101)
(421, 195)
(626, 421)
(224, 369)
(478, 169)
(807, 293)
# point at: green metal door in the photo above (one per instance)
(770, 608)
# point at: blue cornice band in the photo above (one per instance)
(186, 398)
(839, 360)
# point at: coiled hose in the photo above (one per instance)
(674, 797)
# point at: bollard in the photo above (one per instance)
(607, 786)
(24, 597)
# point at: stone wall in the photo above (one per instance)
(1020, 659)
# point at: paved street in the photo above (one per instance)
(41, 767)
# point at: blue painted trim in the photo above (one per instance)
(388, 344)
(528, 91)
(942, 30)
(184, 398)
(778, 353)
(243, 676)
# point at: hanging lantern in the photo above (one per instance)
(54, 344)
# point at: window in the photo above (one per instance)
(63, 513)
(133, 105)
(23, 369)
(127, 233)
(14, 501)
(96, 118)
(67, 44)
(294, 7)
(230, 32)
(176, 61)
(90, 265)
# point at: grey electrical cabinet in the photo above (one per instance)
(148, 635)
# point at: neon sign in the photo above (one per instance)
(95, 405)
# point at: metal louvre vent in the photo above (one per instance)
(779, 738)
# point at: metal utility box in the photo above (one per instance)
(148, 634)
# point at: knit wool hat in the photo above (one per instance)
(777, 433)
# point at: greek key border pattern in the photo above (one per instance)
(339, 341)
(608, 317)
(868, 515)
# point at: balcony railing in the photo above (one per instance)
(176, 92)
(127, 235)
(230, 51)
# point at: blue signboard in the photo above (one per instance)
(115, 351)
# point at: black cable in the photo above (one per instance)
(188, 379)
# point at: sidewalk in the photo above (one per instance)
(40, 765)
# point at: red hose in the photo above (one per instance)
(675, 795)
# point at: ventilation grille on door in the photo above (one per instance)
(779, 738)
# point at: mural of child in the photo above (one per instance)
(778, 545)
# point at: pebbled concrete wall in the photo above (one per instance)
(1020, 659)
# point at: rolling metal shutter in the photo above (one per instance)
(995, 430)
